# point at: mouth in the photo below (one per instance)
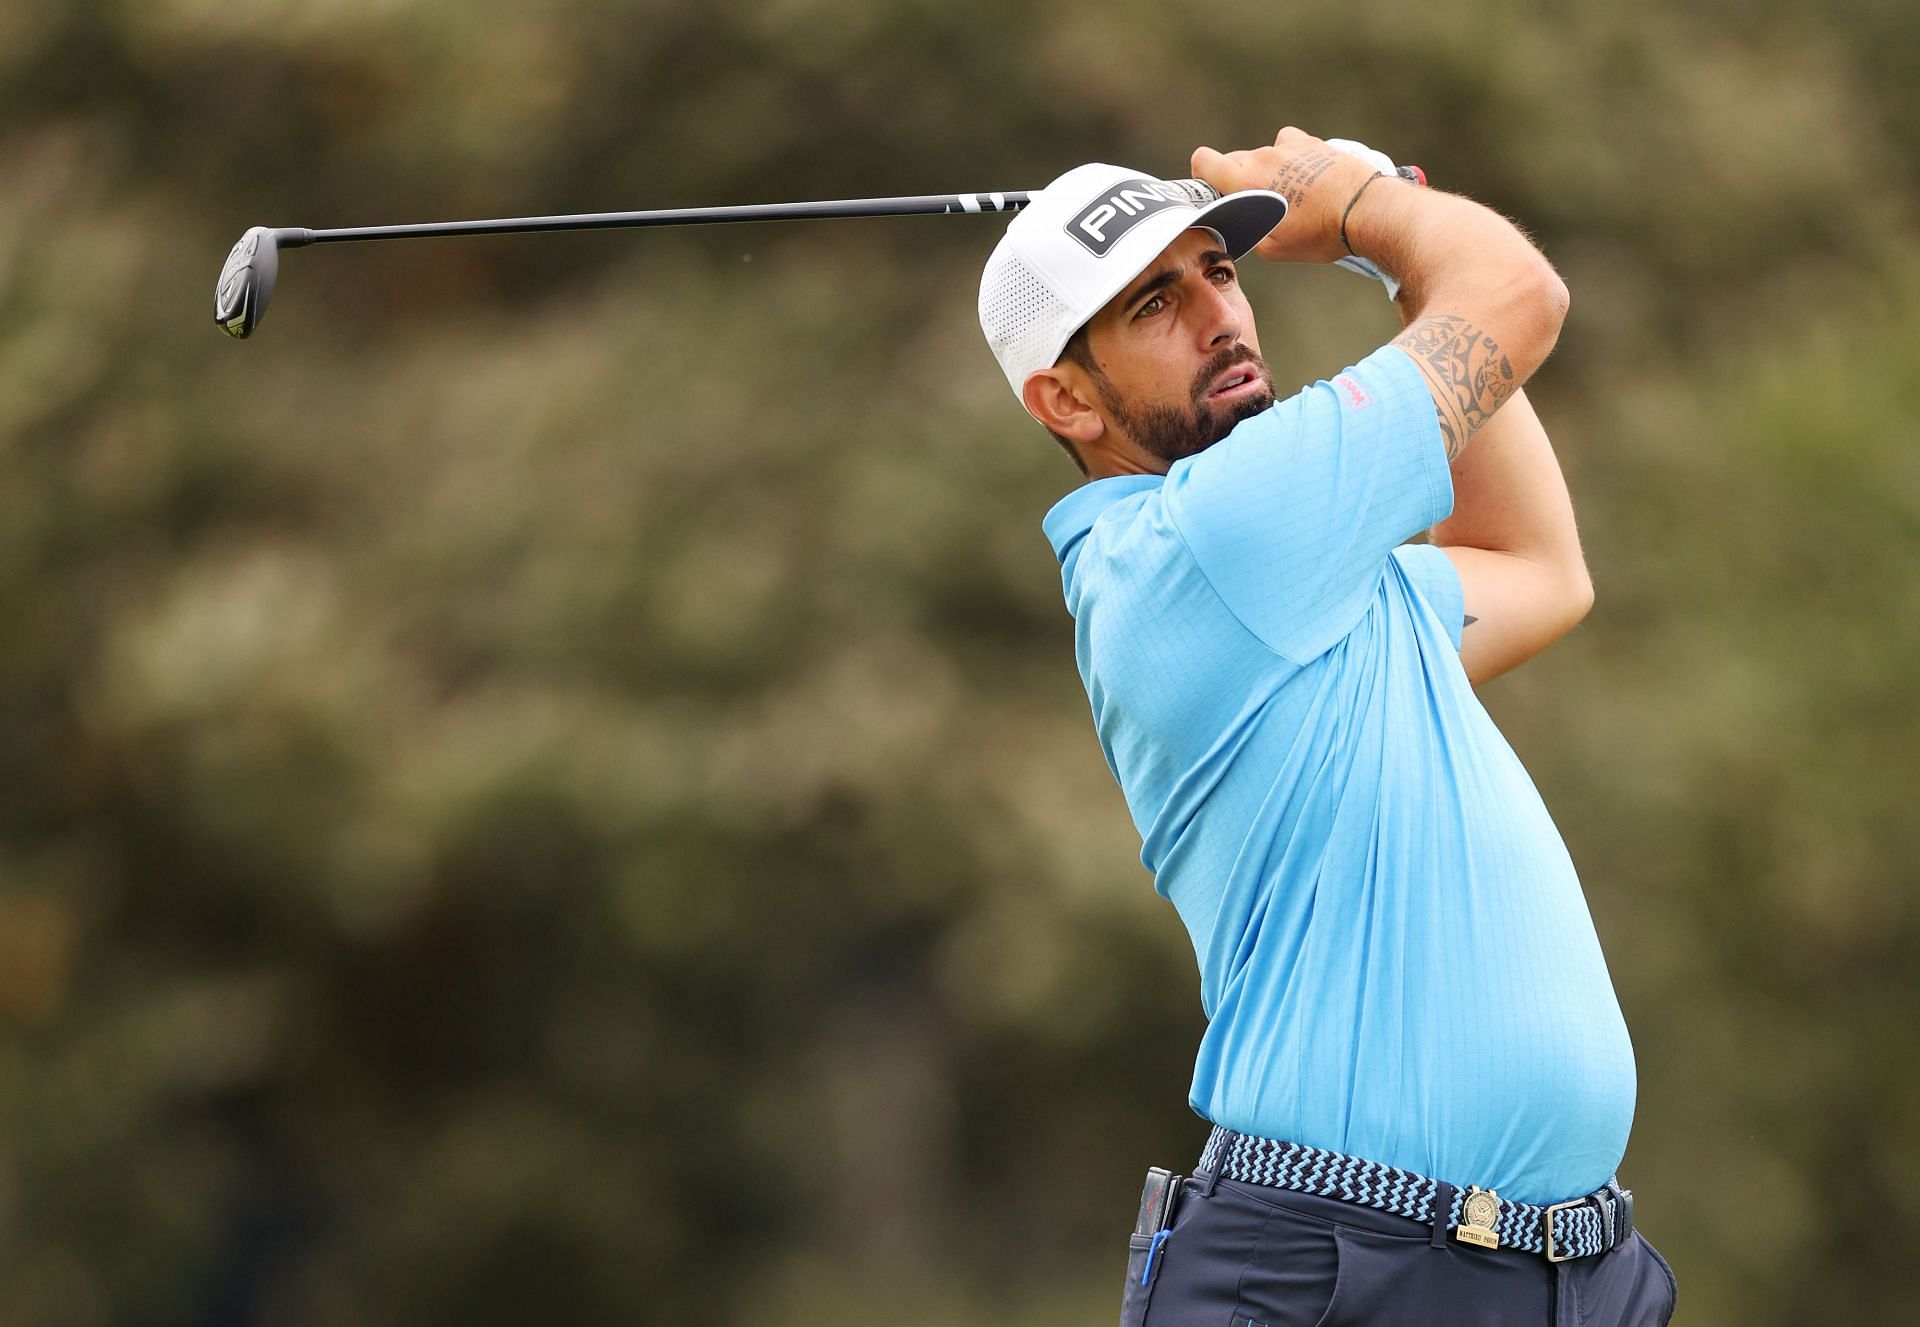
(1242, 380)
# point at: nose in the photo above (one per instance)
(1219, 317)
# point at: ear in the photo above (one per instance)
(1059, 398)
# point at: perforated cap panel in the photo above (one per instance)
(1024, 320)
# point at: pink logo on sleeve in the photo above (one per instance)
(1350, 387)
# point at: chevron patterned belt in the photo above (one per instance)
(1577, 1229)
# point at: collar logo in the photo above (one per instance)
(1101, 223)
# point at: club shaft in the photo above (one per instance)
(916, 205)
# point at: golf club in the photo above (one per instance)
(247, 278)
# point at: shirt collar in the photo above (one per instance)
(1072, 516)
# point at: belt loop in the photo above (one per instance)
(1442, 1211)
(1219, 1161)
(1622, 1211)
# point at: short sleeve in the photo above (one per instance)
(1435, 579)
(1293, 515)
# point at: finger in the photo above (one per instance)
(1221, 170)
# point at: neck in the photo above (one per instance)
(1119, 456)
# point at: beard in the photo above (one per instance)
(1172, 432)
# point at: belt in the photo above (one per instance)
(1577, 1229)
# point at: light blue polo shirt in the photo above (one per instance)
(1396, 959)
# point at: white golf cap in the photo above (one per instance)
(1080, 240)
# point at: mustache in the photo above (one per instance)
(1231, 357)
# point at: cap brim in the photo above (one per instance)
(1241, 220)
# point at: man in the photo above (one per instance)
(1416, 1067)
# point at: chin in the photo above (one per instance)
(1240, 411)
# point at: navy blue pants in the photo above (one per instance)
(1251, 1256)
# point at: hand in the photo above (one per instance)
(1317, 181)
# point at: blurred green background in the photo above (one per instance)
(550, 785)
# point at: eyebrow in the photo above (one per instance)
(1162, 279)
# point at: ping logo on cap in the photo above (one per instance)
(1099, 225)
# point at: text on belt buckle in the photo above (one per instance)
(1478, 1215)
(1547, 1223)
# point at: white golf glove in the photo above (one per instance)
(1380, 161)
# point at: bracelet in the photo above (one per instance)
(1381, 175)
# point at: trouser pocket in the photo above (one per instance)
(1673, 1287)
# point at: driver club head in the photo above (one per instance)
(246, 282)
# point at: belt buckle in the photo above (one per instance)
(1547, 1224)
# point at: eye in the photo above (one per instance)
(1222, 275)
(1151, 307)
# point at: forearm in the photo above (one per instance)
(1453, 255)
(1483, 306)
(1512, 539)
(1509, 496)
(1508, 492)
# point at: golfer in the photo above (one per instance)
(1415, 1065)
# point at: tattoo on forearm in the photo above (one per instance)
(1298, 175)
(1470, 620)
(1471, 375)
